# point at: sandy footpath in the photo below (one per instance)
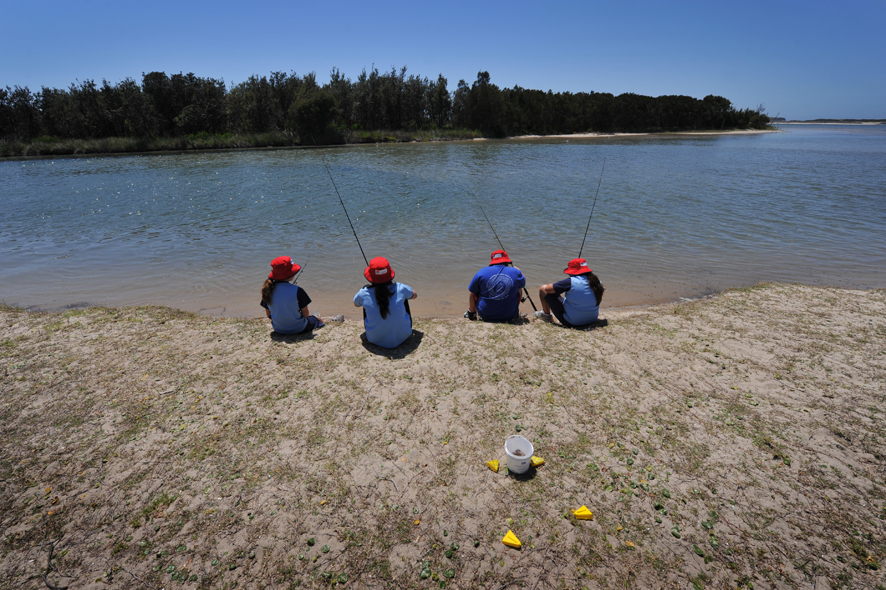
(736, 441)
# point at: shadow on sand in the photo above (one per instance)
(292, 338)
(408, 347)
(527, 475)
(601, 323)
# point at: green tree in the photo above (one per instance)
(313, 116)
(483, 106)
(157, 87)
(415, 106)
(136, 111)
(342, 91)
(439, 103)
(460, 115)
(20, 117)
(253, 108)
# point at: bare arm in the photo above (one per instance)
(473, 299)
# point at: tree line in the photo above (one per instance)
(186, 105)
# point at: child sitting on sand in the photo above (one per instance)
(582, 293)
(385, 304)
(285, 303)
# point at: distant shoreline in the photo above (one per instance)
(657, 133)
(828, 123)
(209, 149)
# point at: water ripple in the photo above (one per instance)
(676, 216)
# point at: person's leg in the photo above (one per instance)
(542, 294)
(313, 324)
(553, 303)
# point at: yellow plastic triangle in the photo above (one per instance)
(536, 461)
(511, 540)
(583, 513)
(493, 465)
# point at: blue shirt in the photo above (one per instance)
(499, 287)
(579, 304)
(392, 331)
(287, 301)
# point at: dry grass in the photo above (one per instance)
(735, 441)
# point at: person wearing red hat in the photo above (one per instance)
(574, 301)
(285, 303)
(494, 292)
(385, 304)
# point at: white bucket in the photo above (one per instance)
(518, 463)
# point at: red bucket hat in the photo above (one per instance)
(499, 257)
(282, 268)
(379, 271)
(577, 266)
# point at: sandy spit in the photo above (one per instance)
(657, 134)
(732, 441)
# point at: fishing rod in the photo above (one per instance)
(341, 201)
(476, 200)
(592, 209)
(301, 270)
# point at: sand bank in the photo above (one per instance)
(657, 134)
(729, 440)
(829, 123)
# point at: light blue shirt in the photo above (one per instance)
(286, 303)
(580, 305)
(392, 331)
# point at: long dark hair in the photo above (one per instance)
(267, 289)
(382, 297)
(596, 286)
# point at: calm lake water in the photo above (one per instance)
(677, 217)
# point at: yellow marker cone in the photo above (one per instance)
(493, 465)
(511, 540)
(583, 513)
(536, 461)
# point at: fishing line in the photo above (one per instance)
(592, 209)
(341, 201)
(476, 200)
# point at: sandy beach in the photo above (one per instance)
(734, 441)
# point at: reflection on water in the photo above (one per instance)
(677, 216)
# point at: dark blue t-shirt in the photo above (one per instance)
(499, 287)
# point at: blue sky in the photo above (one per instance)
(801, 60)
